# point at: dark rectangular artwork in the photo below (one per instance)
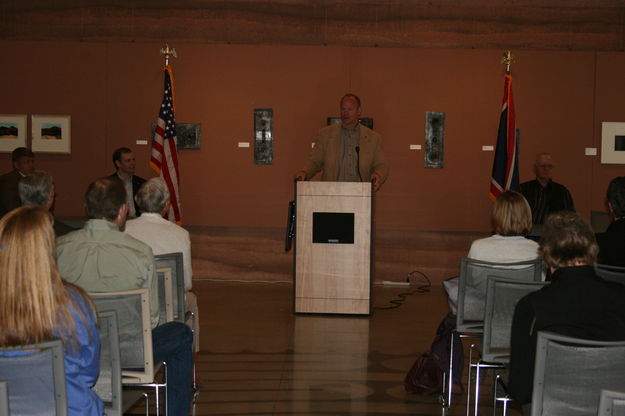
(434, 139)
(263, 136)
(188, 135)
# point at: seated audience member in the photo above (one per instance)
(23, 164)
(543, 194)
(577, 303)
(164, 236)
(37, 189)
(511, 221)
(37, 306)
(125, 166)
(102, 258)
(612, 241)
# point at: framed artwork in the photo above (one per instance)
(612, 142)
(51, 134)
(434, 139)
(188, 135)
(263, 136)
(12, 132)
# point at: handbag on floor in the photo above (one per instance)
(426, 374)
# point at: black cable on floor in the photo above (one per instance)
(401, 297)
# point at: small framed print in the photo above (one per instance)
(12, 132)
(51, 134)
(612, 143)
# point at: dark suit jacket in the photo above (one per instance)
(612, 244)
(9, 196)
(577, 303)
(136, 184)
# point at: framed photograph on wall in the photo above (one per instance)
(51, 134)
(612, 142)
(12, 132)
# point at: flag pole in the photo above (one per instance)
(507, 60)
(168, 52)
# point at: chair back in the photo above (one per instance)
(611, 273)
(502, 295)
(109, 384)
(612, 403)
(570, 373)
(4, 399)
(35, 377)
(170, 271)
(472, 287)
(135, 333)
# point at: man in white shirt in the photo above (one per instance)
(164, 236)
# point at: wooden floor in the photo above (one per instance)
(258, 358)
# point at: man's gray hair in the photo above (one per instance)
(153, 195)
(35, 188)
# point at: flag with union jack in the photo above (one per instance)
(505, 173)
(164, 158)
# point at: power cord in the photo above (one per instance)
(401, 297)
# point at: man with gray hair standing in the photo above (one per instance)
(164, 236)
(37, 189)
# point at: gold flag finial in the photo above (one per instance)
(168, 52)
(507, 59)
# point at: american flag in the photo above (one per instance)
(164, 158)
(505, 173)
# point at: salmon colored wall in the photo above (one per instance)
(113, 90)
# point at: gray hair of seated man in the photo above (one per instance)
(35, 188)
(153, 195)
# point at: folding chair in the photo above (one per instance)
(471, 301)
(612, 403)
(170, 271)
(4, 399)
(135, 339)
(35, 377)
(109, 384)
(611, 273)
(570, 373)
(502, 295)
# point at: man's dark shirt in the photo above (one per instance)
(546, 199)
(9, 196)
(612, 244)
(137, 181)
(576, 303)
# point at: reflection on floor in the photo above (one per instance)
(258, 358)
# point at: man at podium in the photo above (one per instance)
(347, 152)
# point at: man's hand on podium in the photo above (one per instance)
(300, 176)
(377, 182)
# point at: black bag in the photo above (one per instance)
(426, 374)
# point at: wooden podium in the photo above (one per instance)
(333, 247)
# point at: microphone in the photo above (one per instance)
(358, 162)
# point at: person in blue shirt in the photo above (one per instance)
(37, 306)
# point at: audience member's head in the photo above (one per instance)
(616, 196)
(512, 215)
(23, 160)
(567, 241)
(37, 189)
(153, 196)
(124, 161)
(543, 167)
(32, 289)
(106, 199)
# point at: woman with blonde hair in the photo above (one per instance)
(36, 305)
(511, 222)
